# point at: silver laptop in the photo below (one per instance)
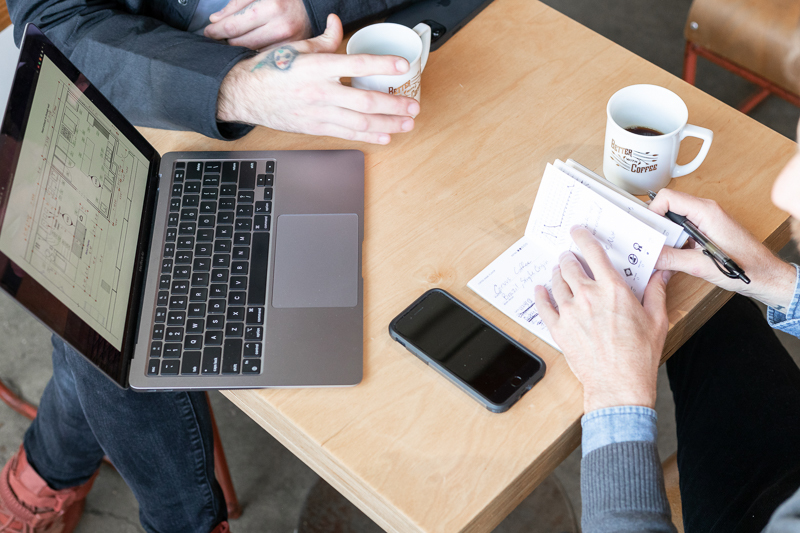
(195, 270)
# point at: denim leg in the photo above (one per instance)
(161, 444)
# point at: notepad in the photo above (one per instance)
(570, 195)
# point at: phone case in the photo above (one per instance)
(444, 17)
(491, 406)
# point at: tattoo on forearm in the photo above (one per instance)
(280, 58)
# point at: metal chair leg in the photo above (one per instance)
(689, 64)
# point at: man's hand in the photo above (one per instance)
(257, 24)
(772, 280)
(296, 88)
(612, 343)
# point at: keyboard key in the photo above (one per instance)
(172, 350)
(195, 326)
(269, 180)
(193, 342)
(219, 291)
(219, 275)
(208, 207)
(173, 335)
(205, 235)
(180, 286)
(239, 267)
(241, 252)
(251, 366)
(263, 208)
(211, 180)
(187, 228)
(178, 175)
(253, 349)
(234, 329)
(178, 303)
(253, 333)
(192, 187)
(197, 310)
(172, 219)
(257, 293)
(243, 224)
(241, 239)
(209, 194)
(200, 279)
(230, 171)
(169, 249)
(268, 193)
(247, 175)
(215, 322)
(261, 223)
(155, 349)
(180, 164)
(213, 167)
(161, 315)
(175, 204)
(227, 204)
(270, 166)
(206, 221)
(163, 283)
(232, 356)
(225, 217)
(202, 264)
(189, 214)
(182, 272)
(236, 314)
(224, 232)
(245, 197)
(228, 190)
(222, 260)
(169, 367)
(183, 258)
(191, 363)
(238, 283)
(194, 170)
(152, 367)
(166, 267)
(213, 338)
(244, 210)
(203, 249)
(171, 234)
(255, 315)
(198, 294)
(211, 360)
(237, 298)
(176, 318)
(158, 332)
(185, 243)
(192, 200)
(163, 298)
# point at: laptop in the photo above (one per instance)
(192, 270)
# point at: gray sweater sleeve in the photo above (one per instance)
(622, 487)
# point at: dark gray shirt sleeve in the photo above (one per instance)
(138, 55)
(622, 486)
(352, 12)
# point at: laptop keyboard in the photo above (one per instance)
(212, 288)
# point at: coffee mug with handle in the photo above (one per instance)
(644, 130)
(387, 38)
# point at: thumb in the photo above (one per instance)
(654, 300)
(329, 41)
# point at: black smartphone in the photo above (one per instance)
(445, 17)
(476, 356)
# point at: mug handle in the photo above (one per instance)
(424, 32)
(701, 133)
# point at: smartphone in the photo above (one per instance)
(465, 348)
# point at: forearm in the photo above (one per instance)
(155, 74)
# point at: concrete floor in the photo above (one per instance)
(270, 481)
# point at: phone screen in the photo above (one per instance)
(467, 346)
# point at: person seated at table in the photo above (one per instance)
(151, 61)
(148, 59)
(736, 389)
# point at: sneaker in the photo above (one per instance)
(28, 505)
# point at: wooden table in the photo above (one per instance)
(517, 88)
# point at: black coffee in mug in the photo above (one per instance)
(644, 131)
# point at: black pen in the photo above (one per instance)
(725, 264)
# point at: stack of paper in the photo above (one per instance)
(570, 195)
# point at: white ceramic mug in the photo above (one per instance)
(387, 38)
(637, 162)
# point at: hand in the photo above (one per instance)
(612, 343)
(296, 88)
(257, 24)
(772, 280)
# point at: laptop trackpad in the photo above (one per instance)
(316, 261)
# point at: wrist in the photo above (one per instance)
(644, 396)
(779, 293)
(232, 95)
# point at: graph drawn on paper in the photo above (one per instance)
(76, 203)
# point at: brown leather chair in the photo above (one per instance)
(671, 480)
(751, 38)
(220, 462)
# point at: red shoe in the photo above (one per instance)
(28, 505)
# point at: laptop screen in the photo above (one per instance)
(71, 211)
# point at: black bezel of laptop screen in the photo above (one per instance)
(13, 279)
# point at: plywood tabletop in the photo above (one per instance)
(520, 86)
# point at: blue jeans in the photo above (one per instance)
(161, 444)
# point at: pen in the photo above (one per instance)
(725, 264)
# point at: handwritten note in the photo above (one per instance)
(561, 203)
